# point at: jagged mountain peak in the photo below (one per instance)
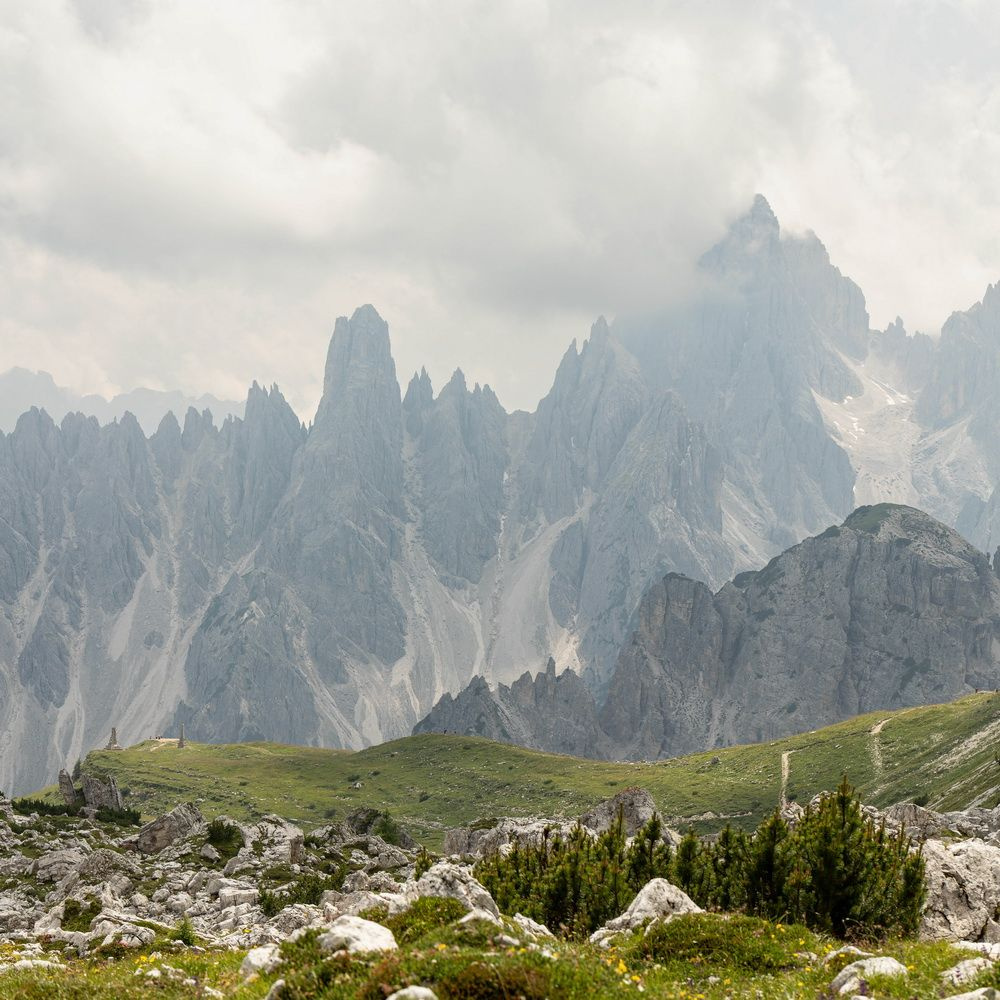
(456, 384)
(761, 211)
(360, 353)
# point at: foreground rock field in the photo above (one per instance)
(185, 908)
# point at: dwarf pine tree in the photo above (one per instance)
(767, 867)
(688, 864)
(847, 875)
(836, 871)
(574, 884)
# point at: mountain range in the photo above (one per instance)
(254, 578)
(21, 389)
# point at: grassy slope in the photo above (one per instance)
(465, 963)
(434, 782)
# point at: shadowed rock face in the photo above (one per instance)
(890, 609)
(545, 712)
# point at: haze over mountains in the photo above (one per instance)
(255, 579)
(21, 389)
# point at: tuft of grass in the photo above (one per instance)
(226, 838)
(738, 942)
(424, 916)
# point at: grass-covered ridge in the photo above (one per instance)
(941, 755)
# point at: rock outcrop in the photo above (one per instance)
(170, 828)
(888, 610)
(657, 900)
(550, 711)
(102, 793)
(963, 891)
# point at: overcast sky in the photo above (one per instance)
(191, 192)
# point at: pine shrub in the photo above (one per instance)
(577, 883)
(836, 871)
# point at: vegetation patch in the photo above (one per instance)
(870, 518)
(307, 888)
(424, 916)
(225, 837)
(738, 942)
(575, 884)
(77, 913)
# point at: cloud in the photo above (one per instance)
(190, 193)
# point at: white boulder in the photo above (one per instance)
(354, 934)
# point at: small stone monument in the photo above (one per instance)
(113, 742)
(180, 742)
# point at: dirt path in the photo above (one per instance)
(782, 800)
(875, 747)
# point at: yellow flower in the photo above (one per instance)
(622, 967)
(441, 947)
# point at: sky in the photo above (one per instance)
(191, 193)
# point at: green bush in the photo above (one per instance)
(226, 838)
(119, 817)
(184, 932)
(738, 942)
(423, 863)
(574, 885)
(78, 914)
(485, 981)
(307, 888)
(848, 876)
(836, 871)
(25, 807)
(388, 829)
(429, 913)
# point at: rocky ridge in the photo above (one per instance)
(890, 609)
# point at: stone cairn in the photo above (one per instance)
(113, 742)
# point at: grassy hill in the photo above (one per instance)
(943, 755)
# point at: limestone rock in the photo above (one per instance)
(102, 794)
(550, 711)
(963, 890)
(66, 789)
(902, 611)
(53, 866)
(453, 882)
(849, 979)
(482, 842)
(531, 927)
(180, 822)
(265, 959)
(413, 993)
(637, 807)
(353, 934)
(965, 971)
(657, 900)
